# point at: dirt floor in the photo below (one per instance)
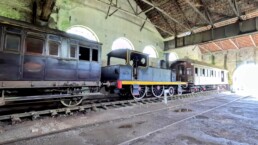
(214, 120)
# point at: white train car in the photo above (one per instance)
(199, 75)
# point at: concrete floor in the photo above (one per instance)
(215, 120)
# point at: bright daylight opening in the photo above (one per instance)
(84, 32)
(122, 43)
(151, 51)
(245, 79)
(172, 56)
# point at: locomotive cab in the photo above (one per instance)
(123, 64)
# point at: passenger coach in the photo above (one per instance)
(199, 75)
(39, 63)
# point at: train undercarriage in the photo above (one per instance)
(68, 93)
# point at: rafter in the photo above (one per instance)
(205, 49)
(234, 8)
(199, 12)
(153, 7)
(252, 40)
(233, 43)
(181, 11)
(217, 45)
(138, 17)
(166, 14)
(131, 6)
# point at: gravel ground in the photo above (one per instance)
(235, 123)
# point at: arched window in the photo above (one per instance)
(122, 43)
(151, 51)
(83, 31)
(172, 56)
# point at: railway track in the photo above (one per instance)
(135, 115)
(93, 105)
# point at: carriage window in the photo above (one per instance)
(203, 72)
(94, 55)
(34, 45)
(53, 48)
(84, 54)
(196, 71)
(12, 42)
(189, 72)
(73, 51)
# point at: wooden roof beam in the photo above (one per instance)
(235, 9)
(251, 37)
(166, 14)
(233, 43)
(199, 12)
(132, 14)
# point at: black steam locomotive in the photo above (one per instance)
(37, 63)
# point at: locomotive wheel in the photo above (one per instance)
(142, 92)
(157, 91)
(71, 102)
(171, 91)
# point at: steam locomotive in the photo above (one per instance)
(38, 63)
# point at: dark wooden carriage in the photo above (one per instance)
(39, 63)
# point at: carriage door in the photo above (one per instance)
(222, 76)
(180, 72)
(34, 59)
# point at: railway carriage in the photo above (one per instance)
(134, 77)
(199, 75)
(39, 63)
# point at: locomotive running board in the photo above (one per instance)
(151, 83)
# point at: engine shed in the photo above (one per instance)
(124, 72)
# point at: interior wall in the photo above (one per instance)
(192, 52)
(92, 14)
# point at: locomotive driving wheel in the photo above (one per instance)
(71, 102)
(157, 91)
(142, 92)
(171, 91)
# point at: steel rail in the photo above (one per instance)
(93, 106)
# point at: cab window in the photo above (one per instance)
(84, 53)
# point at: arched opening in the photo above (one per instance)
(84, 32)
(172, 56)
(122, 43)
(245, 79)
(151, 51)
